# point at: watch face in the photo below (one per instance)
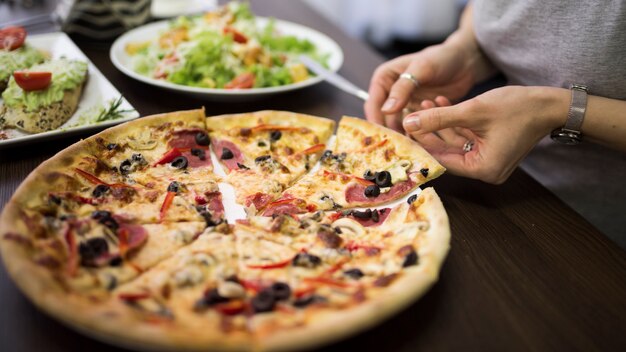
(565, 137)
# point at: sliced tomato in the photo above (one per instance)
(237, 36)
(30, 81)
(12, 37)
(243, 81)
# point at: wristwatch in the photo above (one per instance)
(570, 133)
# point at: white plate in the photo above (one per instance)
(97, 91)
(173, 8)
(148, 32)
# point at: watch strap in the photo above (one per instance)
(577, 108)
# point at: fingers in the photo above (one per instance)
(377, 95)
(403, 88)
(394, 121)
(435, 119)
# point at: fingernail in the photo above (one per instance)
(389, 104)
(412, 123)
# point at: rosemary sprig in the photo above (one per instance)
(113, 111)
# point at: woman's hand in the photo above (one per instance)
(449, 69)
(440, 70)
(504, 124)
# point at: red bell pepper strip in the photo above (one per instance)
(333, 175)
(89, 177)
(314, 149)
(276, 265)
(168, 156)
(167, 202)
(251, 285)
(231, 308)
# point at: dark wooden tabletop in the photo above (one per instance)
(525, 272)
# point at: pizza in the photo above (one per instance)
(124, 235)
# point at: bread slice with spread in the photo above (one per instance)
(21, 58)
(46, 109)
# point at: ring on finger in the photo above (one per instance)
(468, 146)
(410, 77)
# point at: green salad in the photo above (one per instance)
(224, 49)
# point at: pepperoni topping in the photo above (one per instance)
(231, 164)
(356, 193)
(196, 161)
(260, 200)
(288, 205)
(214, 204)
(186, 139)
(131, 237)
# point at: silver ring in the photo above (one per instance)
(468, 146)
(411, 78)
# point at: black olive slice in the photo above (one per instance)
(354, 273)
(179, 162)
(262, 158)
(369, 175)
(412, 199)
(375, 215)
(383, 179)
(100, 190)
(424, 172)
(372, 191)
(202, 138)
(173, 187)
(200, 153)
(210, 298)
(308, 300)
(92, 249)
(410, 259)
(366, 214)
(275, 135)
(327, 154)
(264, 301)
(242, 166)
(137, 158)
(306, 260)
(227, 154)
(281, 291)
(125, 167)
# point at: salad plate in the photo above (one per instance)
(98, 96)
(150, 32)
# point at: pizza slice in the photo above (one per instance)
(370, 165)
(161, 147)
(81, 184)
(95, 254)
(264, 152)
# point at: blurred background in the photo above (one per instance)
(392, 27)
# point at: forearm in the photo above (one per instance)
(464, 40)
(605, 119)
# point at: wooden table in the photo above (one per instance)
(525, 271)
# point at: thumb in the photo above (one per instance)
(434, 119)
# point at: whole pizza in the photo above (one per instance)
(255, 231)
